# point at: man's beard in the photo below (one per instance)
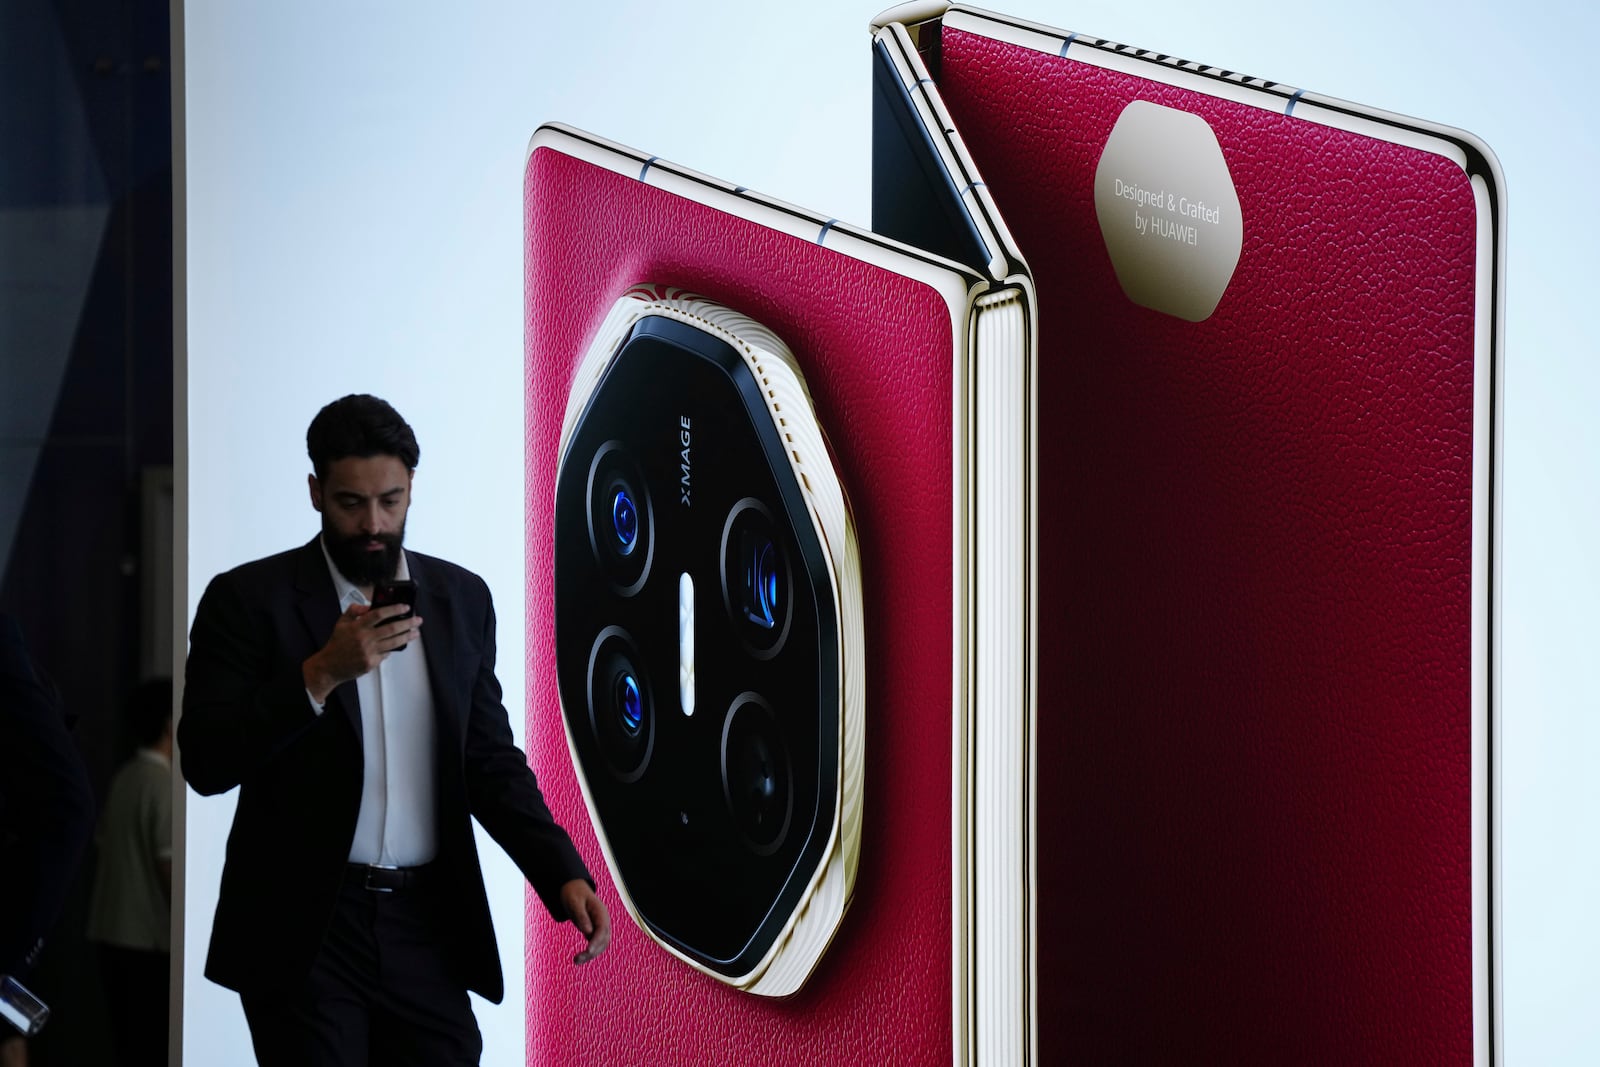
(359, 565)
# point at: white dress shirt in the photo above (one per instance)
(396, 825)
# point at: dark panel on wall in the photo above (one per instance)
(86, 377)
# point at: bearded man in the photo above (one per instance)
(352, 917)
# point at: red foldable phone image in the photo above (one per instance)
(756, 535)
(1262, 814)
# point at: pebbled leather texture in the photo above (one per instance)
(1254, 684)
(876, 351)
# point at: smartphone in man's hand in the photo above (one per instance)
(399, 591)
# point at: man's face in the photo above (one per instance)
(363, 502)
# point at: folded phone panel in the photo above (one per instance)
(887, 340)
(1264, 534)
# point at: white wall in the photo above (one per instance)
(353, 224)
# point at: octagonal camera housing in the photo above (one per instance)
(708, 638)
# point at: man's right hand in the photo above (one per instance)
(362, 638)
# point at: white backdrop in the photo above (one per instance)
(353, 224)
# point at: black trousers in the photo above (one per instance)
(137, 1000)
(385, 989)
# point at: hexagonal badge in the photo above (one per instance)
(1168, 210)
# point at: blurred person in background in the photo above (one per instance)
(130, 908)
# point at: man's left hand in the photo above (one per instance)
(588, 914)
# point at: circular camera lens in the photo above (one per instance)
(621, 708)
(624, 520)
(629, 703)
(757, 780)
(620, 522)
(755, 578)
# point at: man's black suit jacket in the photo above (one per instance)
(247, 722)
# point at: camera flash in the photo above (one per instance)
(686, 642)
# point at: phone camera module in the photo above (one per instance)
(620, 520)
(708, 637)
(621, 711)
(755, 578)
(757, 781)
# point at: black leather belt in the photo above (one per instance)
(381, 879)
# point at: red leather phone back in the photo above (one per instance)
(1254, 726)
(876, 351)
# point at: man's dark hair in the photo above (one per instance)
(149, 711)
(363, 426)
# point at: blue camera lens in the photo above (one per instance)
(757, 584)
(624, 520)
(620, 705)
(762, 581)
(630, 705)
(621, 525)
